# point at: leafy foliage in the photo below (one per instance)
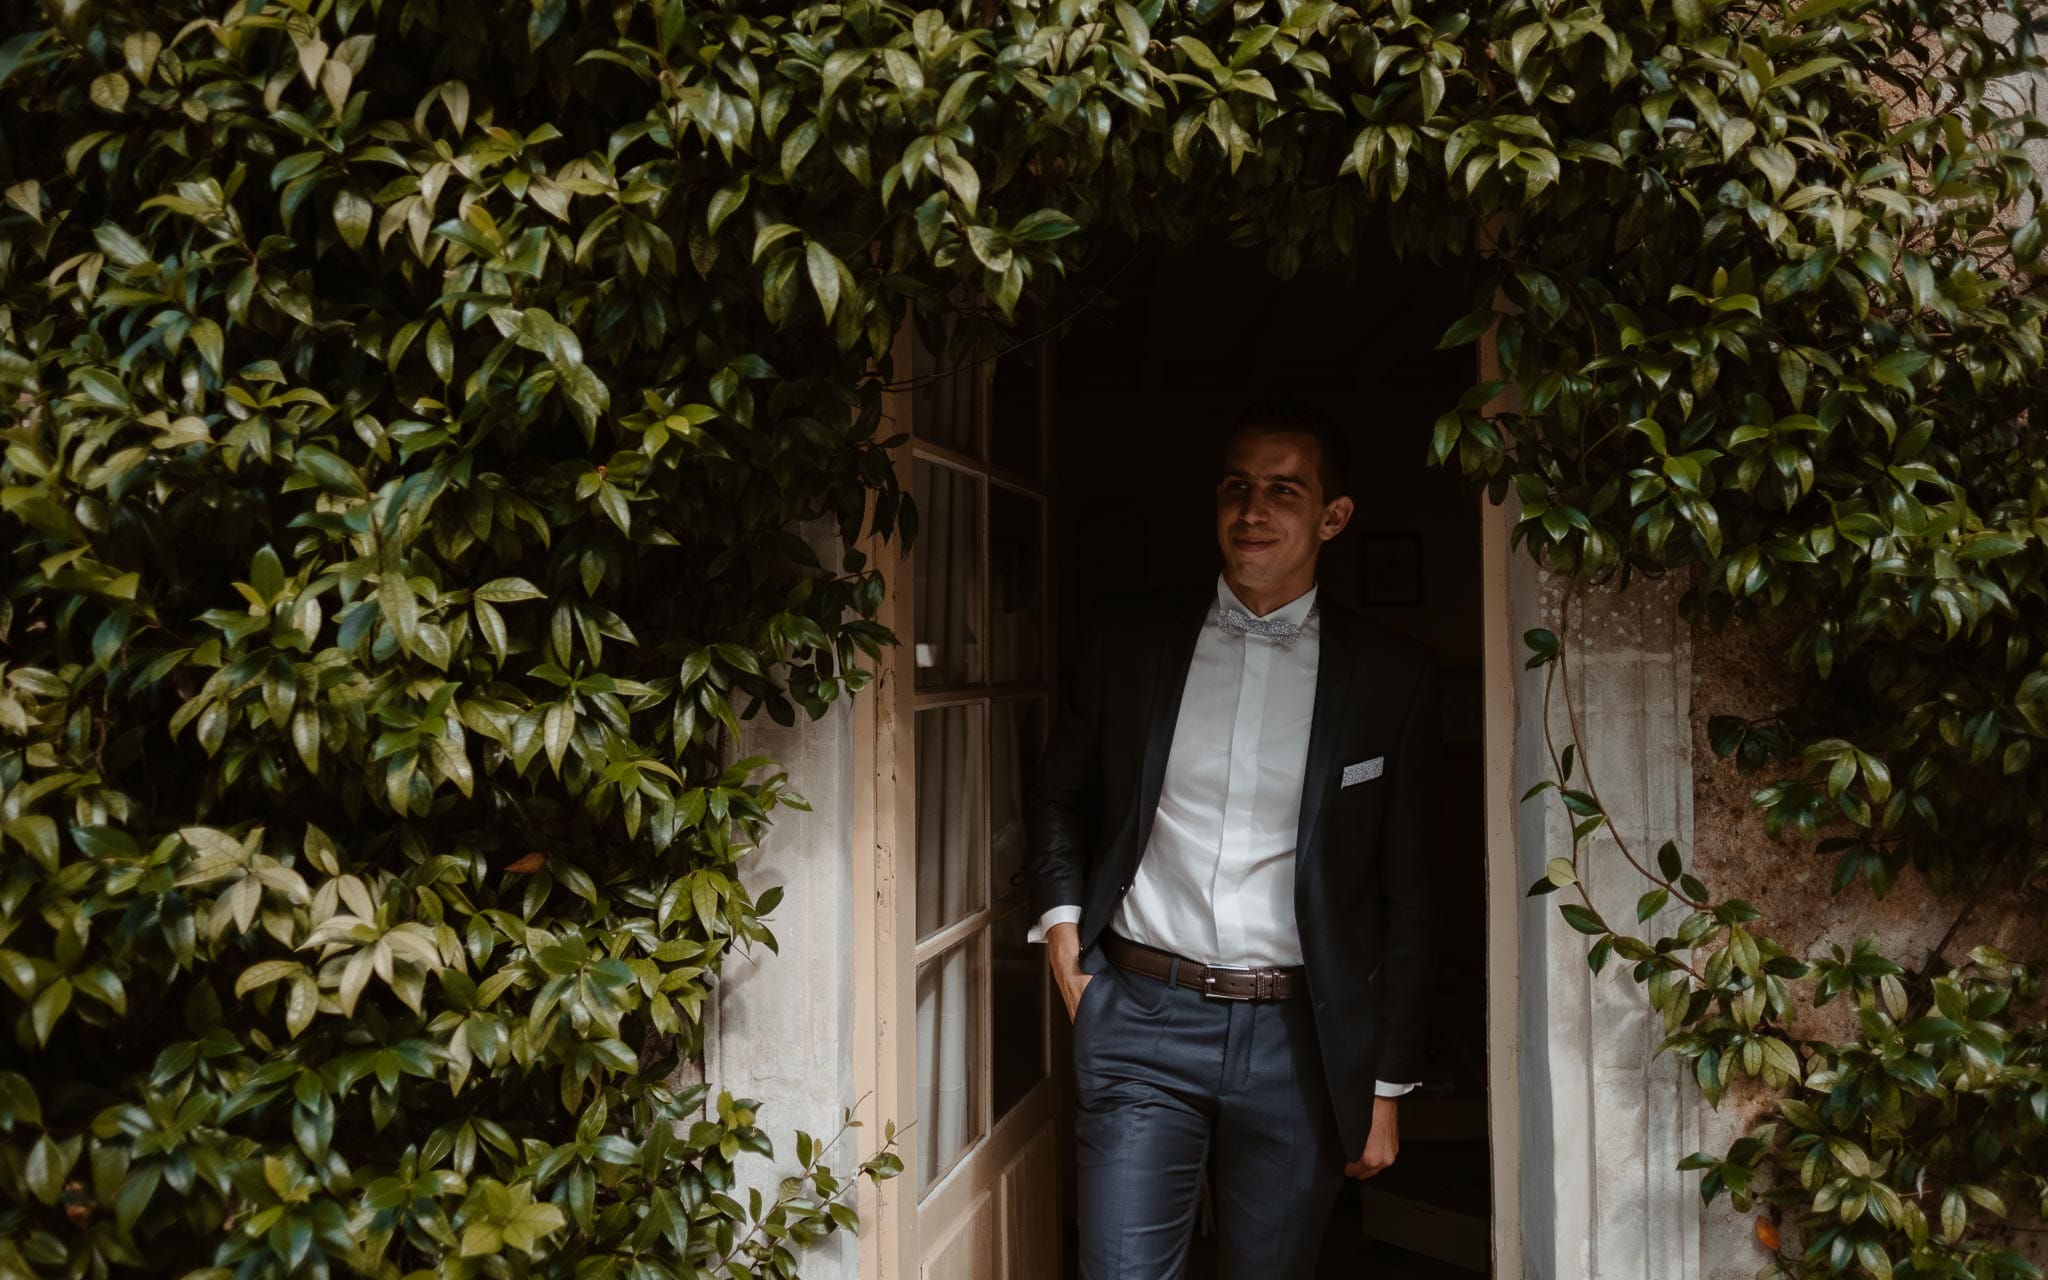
(415, 405)
(395, 550)
(1823, 415)
(1894, 1152)
(1808, 379)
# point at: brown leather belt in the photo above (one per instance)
(1221, 982)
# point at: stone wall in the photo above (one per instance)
(1742, 672)
(779, 1027)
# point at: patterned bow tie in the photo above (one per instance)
(1236, 622)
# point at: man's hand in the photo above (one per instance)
(1063, 953)
(1382, 1144)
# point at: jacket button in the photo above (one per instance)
(1125, 887)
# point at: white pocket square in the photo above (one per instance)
(1364, 771)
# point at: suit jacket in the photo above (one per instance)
(1362, 879)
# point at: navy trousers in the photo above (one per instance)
(1167, 1078)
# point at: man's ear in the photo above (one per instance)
(1335, 516)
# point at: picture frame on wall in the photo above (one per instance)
(1392, 569)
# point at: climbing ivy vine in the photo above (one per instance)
(434, 427)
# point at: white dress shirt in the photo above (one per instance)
(1216, 880)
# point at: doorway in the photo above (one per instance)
(1024, 466)
(1171, 341)
(958, 1001)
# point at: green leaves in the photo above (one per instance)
(432, 489)
(110, 92)
(509, 591)
(1584, 919)
(825, 272)
(346, 771)
(725, 202)
(1862, 1124)
(352, 217)
(508, 1219)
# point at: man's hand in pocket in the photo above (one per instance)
(1063, 953)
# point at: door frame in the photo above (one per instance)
(884, 884)
(884, 876)
(1499, 672)
(893, 1244)
(1504, 900)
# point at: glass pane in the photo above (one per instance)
(1016, 407)
(1013, 757)
(948, 559)
(951, 783)
(1017, 999)
(1017, 609)
(947, 396)
(949, 1017)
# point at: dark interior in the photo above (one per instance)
(1171, 342)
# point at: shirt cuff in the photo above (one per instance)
(1381, 1089)
(1058, 915)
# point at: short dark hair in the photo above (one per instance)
(1278, 415)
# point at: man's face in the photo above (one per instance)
(1271, 517)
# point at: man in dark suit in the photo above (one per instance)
(1230, 844)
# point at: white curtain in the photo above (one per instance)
(950, 801)
(950, 791)
(1013, 751)
(948, 1039)
(948, 558)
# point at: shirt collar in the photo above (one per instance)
(1295, 611)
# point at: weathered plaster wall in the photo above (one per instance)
(779, 1027)
(1734, 673)
(1741, 672)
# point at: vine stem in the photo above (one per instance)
(1934, 956)
(1550, 682)
(753, 1236)
(1559, 676)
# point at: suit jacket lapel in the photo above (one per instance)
(1334, 667)
(1181, 627)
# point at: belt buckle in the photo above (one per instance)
(1209, 991)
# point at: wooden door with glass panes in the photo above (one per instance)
(973, 683)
